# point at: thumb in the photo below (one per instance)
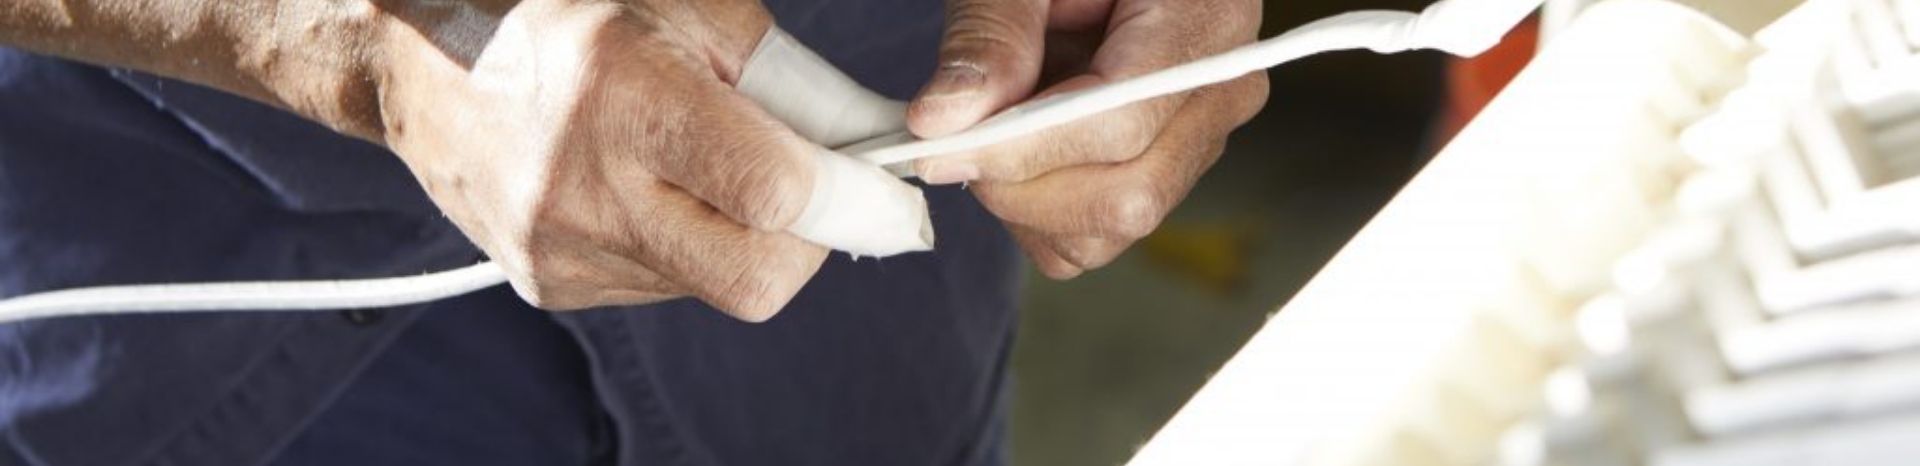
(989, 59)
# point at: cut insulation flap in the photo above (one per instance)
(855, 208)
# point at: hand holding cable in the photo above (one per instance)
(851, 207)
(598, 152)
(1078, 194)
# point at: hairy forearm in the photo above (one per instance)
(318, 58)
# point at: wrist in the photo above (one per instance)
(321, 60)
(418, 54)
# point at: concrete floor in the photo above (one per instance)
(1103, 360)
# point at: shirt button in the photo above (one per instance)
(361, 317)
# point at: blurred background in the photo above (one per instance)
(1103, 360)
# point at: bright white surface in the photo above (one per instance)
(1883, 441)
(1860, 330)
(1314, 384)
(1799, 397)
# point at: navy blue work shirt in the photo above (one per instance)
(114, 177)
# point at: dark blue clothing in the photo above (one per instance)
(111, 177)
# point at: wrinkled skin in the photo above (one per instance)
(1078, 195)
(597, 150)
(651, 177)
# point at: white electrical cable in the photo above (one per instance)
(802, 90)
(854, 207)
(253, 296)
(1460, 27)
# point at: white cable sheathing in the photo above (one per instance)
(855, 207)
(1459, 27)
(827, 107)
(863, 210)
(813, 97)
(253, 296)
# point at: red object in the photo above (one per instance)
(1472, 82)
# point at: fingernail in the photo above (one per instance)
(953, 80)
(950, 173)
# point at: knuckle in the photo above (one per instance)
(1130, 133)
(771, 194)
(1057, 269)
(1133, 213)
(1086, 253)
(977, 28)
(761, 181)
(1213, 151)
(1043, 255)
(1248, 96)
(756, 294)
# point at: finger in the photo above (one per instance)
(1080, 15)
(1127, 200)
(715, 143)
(989, 58)
(1089, 252)
(701, 135)
(1112, 136)
(1038, 249)
(1139, 40)
(747, 273)
(1116, 200)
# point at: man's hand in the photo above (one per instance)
(598, 151)
(1078, 195)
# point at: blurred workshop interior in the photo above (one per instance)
(1104, 360)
